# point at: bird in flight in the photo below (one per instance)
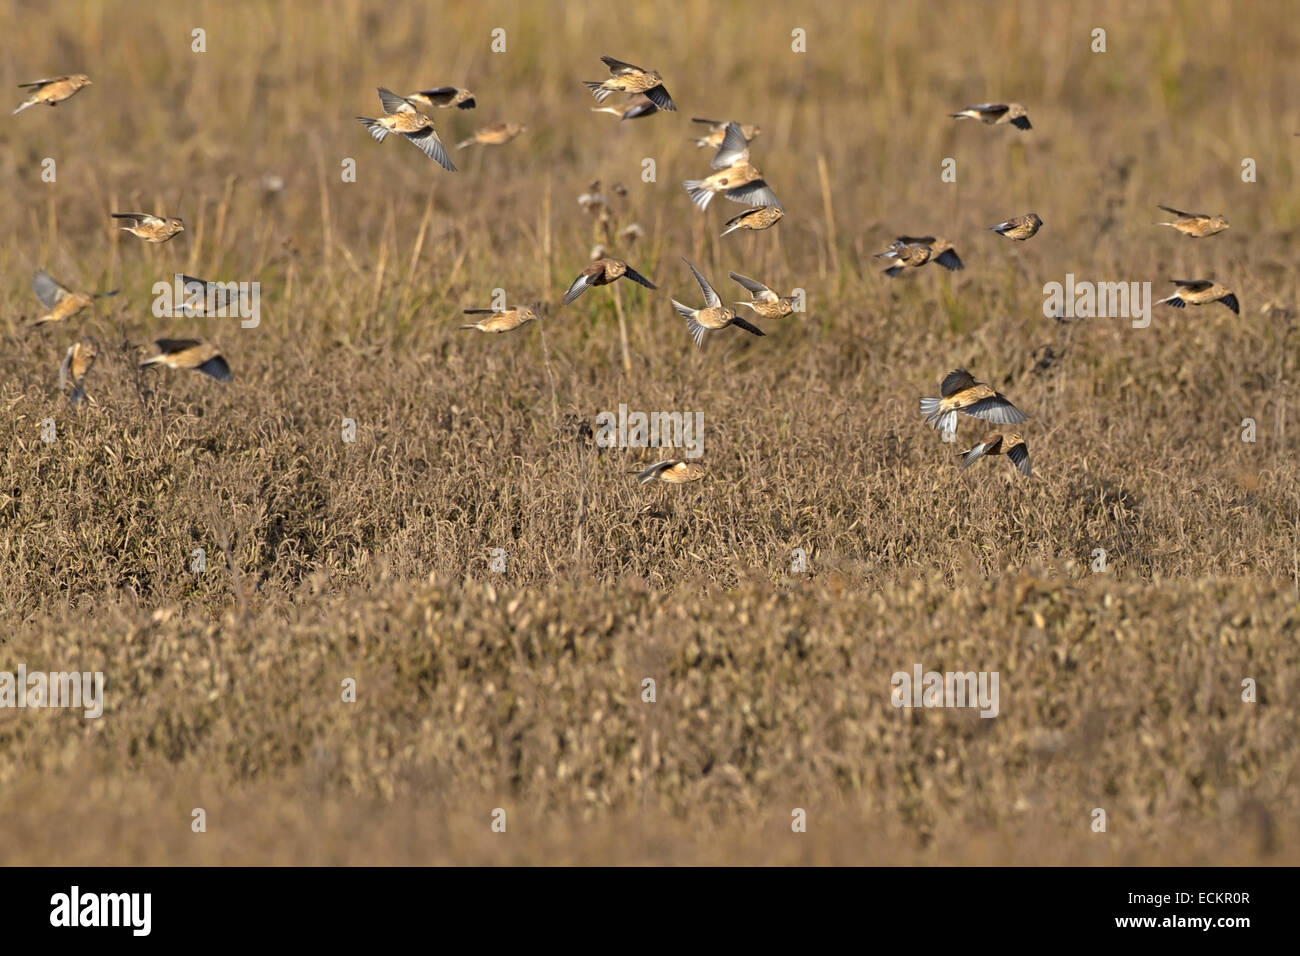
(916, 251)
(1011, 444)
(673, 471)
(763, 300)
(76, 365)
(506, 320)
(443, 97)
(718, 129)
(626, 78)
(401, 116)
(736, 177)
(996, 114)
(1200, 292)
(603, 271)
(758, 218)
(190, 354)
(148, 227)
(714, 316)
(52, 91)
(961, 393)
(1198, 225)
(1019, 227)
(494, 134)
(61, 303)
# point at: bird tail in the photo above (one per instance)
(597, 90)
(1173, 300)
(473, 326)
(377, 130)
(699, 193)
(30, 101)
(960, 115)
(732, 228)
(465, 142)
(969, 458)
(936, 416)
(893, 271)
(685, 311)
(78, 393)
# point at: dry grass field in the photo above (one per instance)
(478, 689)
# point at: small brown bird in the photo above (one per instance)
(443, 97)
(673, 471)
(402, 117)
(52, 91)
(494, 134)
(190, 354)
(634, 108)
(626, 78)
(757, 219)
(714, 316)
(62, 304)
(603, 271)
(995, 114)
(916, 251)
(961, 393)
(1200, 292)
(762, 299)
(150, 228)
(1198, 225)
(1019, 227)
(737, 178)
(504, 321)
(1012, 444)
(718, 130)
(76, 365)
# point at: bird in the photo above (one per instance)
(1200, 292)
(197, 294)
(603, 271)
(995, 114)
(494, 134)
(672, 471)
(76, 365)
(1019, 227)
(1197, 225)
(626, 78)
(636, 106)
(506, 320)
(763, 300)
(150, 228)
(907, 251)
(190, 354)
(736, 177)
(61, 303)
(718, 129)
(52, 91)
(402, 117)
(758, 218)
(714, 316)
(961, 393)
(1011, 444)
(443, 97)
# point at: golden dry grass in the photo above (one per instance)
(371, 560)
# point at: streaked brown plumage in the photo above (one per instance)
(961, 393)
(148, 227)
(718, 130)
(1019, 227)
(996, 114)
(1198, 225)
(634, 107)
(603, 271)
(714, 316)
(443, 97)
(59, 301)
(1200, 292)
(1011, 444)
(736, 177)
(506, 320)
(403, 117)
(190, 354)
(494, 134)
(916, 251)
(76, 365)
(762, 299)
(52, 91)
(757, 219)
(673, 471)
(626, 78)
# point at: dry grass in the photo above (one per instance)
(522, 691)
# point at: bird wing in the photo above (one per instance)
(760, 292)
(711, 298)
(47, 290)
(956, 381)
(732, 150)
